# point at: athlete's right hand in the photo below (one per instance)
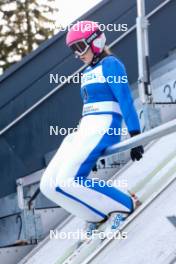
(136, 153)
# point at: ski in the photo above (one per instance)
(105, 230)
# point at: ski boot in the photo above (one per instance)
(93, 226)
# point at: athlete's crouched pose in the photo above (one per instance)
(107, 99)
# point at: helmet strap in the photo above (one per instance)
(97, 58)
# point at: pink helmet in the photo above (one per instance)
(85, 34)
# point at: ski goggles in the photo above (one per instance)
(80, 47)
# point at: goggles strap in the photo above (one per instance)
(93, 36)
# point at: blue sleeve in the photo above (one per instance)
(121, 91)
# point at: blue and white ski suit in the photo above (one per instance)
(107, 99)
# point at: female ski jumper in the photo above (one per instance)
(106, 101)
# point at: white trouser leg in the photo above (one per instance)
(75, 157)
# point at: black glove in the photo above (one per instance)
(136, 153)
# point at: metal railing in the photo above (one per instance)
(143, 138)
(48, 95)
